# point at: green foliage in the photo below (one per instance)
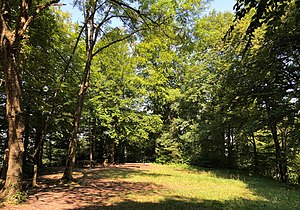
(176, 92)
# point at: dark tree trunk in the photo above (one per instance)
(280, 173)
(26, 137)
(5, 163)
(254, 153)
(111, 156)
(222, 146)
(94, 139)
(122, 154)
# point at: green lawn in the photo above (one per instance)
(173, 187)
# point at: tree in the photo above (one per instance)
(267, 76)
(15, 19)
(97, 15)
(266, 12)
(47, 90)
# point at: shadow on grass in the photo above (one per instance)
(176, 203)
(280, 195)
(104, 188)
(121, 173)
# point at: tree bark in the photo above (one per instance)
(36, 155)
(14, 116)
(71, 155)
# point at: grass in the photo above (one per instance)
(177, 187)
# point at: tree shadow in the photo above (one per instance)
(181, 203)
(87, 192)
(120, 172)
(101, 186)
(107, 189)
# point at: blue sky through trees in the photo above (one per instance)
(219, 5)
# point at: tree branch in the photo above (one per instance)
(116, 41)
(37, 11)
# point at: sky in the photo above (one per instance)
(223, 5)
(219, 5)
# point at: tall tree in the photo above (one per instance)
(15, 17)
(98, 14)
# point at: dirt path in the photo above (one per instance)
(89, 189)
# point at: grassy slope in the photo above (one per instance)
(181, 187)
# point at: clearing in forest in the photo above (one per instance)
(153, 186)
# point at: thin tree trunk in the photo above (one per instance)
(37, 159)
(91, 139)
(90, 43)
(35, 173)
(94, 140)
(26, 137)
(279, 165)
(229, 147)
(36, 155)
(40, 161)
(284, 157)
(254, 153)
(5, 163)
(71, 155)
(112, 152)
(222, 146)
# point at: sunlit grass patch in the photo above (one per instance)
(200, 189)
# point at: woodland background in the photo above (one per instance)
(172, 84)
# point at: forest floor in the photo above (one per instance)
(153, 186)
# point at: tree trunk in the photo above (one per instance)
(37, 158)
(71, 155)
(254, 153)
(90, 43)
(284, 158)
(229, 148)
(5, 163)
(26, 138)
(222, 145)
(12, 32)
(14, 114)
(111, 156)
(279, 165)
(36, 155)
(91, 138)
(94, 140)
